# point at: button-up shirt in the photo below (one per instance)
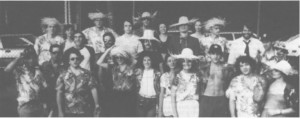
(132, 44)
(238, 47)
(95, 38)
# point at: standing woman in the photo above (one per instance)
(185, 87)
(165, 107)
(164, 39)
(282, 98)
(246, 91)
(68, 36)
(75, 88)
(51, 28)
(124, 84)
(148, 84)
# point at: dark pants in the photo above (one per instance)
(77, 115)
(146, 107)
(214, 106)
(31, 109)
(123, 104)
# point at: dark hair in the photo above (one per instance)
(159, 26)
(128, 20)
(67, 27)
(245, 59)
(84, 40)
(166, 67)
(151, 55)
(154, 44)
(111, 36)
(194, 67)
(66, 55)
(55, 46)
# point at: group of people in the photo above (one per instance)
(150, 73)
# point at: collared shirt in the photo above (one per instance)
(76, 90)
(42, 46)
(132, 44)
(241, 89)
(95, 38)
(29, 85)
(238, 47)
(147, 84)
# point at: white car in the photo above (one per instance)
(11, 45)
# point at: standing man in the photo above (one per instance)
(214, 27)
(51, 70)
(246, 45)
(216, 75)
(184, 40)
(94, 34)
(198, 34)
(129, 40)
(147, 19)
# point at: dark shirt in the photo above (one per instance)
(176, 45)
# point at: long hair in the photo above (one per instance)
(29, 53)
(165, 64)
(84, 40)
(194, 67)
(248, 60)
(151, 55)
(110, 35)
(48, 20)
(66, 56)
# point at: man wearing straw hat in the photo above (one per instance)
(146, 20)
(95, 34)
(184, 40)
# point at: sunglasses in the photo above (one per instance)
(75, 58)
(54, 52)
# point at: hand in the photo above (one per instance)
(97, 111)
(272, 112)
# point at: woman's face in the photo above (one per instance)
(171, 62)
(245, 68)
(98, 23)
(276, 74)
(187, 64)
(51, 28)
(162, 28)
(69, 32)
(198, 26)
(215, 30)
(120, 59)
(78, 38)
(74, 60)
(147, 62)
(108, 41)
(127, 27)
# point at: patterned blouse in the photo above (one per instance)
(29, 85)
(42, 46)
(186, 86)
(123, 81)
(208, 41)
(166, 82)
(241, 89)
(76, 90)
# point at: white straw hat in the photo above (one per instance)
(284, 67)
(96, 15)
(186, 53)
(149, 35)
(183, 20)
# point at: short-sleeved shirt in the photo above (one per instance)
(76, 90)
(241, 89)
(166, 82)
(42, 47)
(132, 44)
(238, 47)
(29, 85)
(95, 38)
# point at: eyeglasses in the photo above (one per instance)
(55, 53)
(75, 58)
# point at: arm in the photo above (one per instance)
(173, 101)
(100, 62)
(13, 63)
(59, 99)
(96, 101)
(161, 99)
(232, 107)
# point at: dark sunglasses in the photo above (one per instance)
(75, 58)
(54, 52)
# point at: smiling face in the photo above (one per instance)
(245, 68)
(187, 64)
(127, 27)
(78, 39)
(108, 42)
(171, 62)
(147, 44)
(120, 59)
(183, 29)
(246, 32)
(147, 62)
(276, 74)
(215, 57)
(198, 26)
(162, 28)
(74, 60)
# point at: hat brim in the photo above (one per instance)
(152, 38)
(187, 23)
(182, 56)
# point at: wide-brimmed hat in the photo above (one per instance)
(148, 15)
(216, 21)
(183, 20)
(50, 21)
(186, 53)
(284, 67)
(149, 35)
(97, 15)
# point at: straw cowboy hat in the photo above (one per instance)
(284, 67)
(50, 21)
(149, 35)
(186, 53)
(215, 22)
(183, 20)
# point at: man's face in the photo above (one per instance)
(246, 32)
(55, 53)
(198, 26)
(51, 28)
(127, 27)
(108, 41)
(146, 22)
(147, 44)
(215, 30)
(69, 32)
(183, 29)
(98, 23)
(280, 53)
(78, 38)
(215, 57)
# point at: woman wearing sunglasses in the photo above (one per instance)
(123, 95)
(75, 86)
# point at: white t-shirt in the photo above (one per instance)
(147, 84)
(132, 43)
(238, 47)
(86, 59)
